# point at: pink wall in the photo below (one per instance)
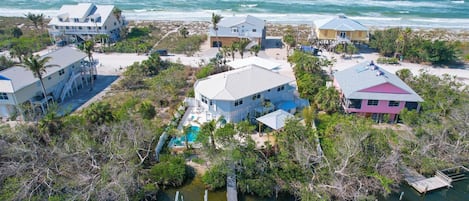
(385, 88)
(382, 107)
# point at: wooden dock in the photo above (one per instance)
(231, 188)
(422, 184)
(429, 184)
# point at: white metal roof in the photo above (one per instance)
(275, 120)
(261, 62)
(21, 77)
(362, 76)
(239, 83)
(340, 23)
(226, 23)
(81, 11)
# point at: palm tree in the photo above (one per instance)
(117, 12)
(215, 20)
(289, 39)
(88, 47)
(184, 32)
(242, 44)
(38, 66)
(232, 49)
(35, 19)
(255, 49)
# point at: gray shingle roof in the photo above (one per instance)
(239, 83)
(21, 77)
(362, 76)
(340, 23)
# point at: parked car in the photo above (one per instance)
(161, 52)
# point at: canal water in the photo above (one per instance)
(459, 192)
(193, 190)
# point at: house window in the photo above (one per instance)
(115, 23)
(355, 103)
(256, 96)
(49, 78)
(79, 28)
(204, 99)
(393, 104)
(238, 102)
(373, 102)
(105, 27)
(234, 30)
(61, 72)
(3, 96)
(92, 20)
(89, 28)
(411, 105)
(66, 27)
(76, 20)
(253, 30)
(281, 88)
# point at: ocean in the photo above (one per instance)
(375, 13)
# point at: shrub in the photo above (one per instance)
(147, 110)
(171, 171)
(386, 60)
(215, 177)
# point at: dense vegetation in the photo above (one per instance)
(414, 47)
(138, 40)
(441, 129)
(102, 153)
(22, 40)
(358, 160)
(311, 80)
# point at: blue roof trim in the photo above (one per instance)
(3, 78)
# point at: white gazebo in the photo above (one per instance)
(275, 120)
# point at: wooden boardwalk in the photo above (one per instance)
(231, 188)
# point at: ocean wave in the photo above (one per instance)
(248, 5)
(289, 18)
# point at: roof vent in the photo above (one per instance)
(341, 16)
(379, 73)
(372, 63)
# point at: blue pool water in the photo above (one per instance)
(191, 136)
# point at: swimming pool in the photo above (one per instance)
(191, 136)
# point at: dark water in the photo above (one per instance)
(459, 192)
(194, 190)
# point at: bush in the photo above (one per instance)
(215, 177)
(205, 71)
(188, 45)
(147, 110)
(387, 60)
(171, 171)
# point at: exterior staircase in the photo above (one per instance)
(340, 40)
(68, 86)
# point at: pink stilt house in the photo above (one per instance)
(371, 91)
